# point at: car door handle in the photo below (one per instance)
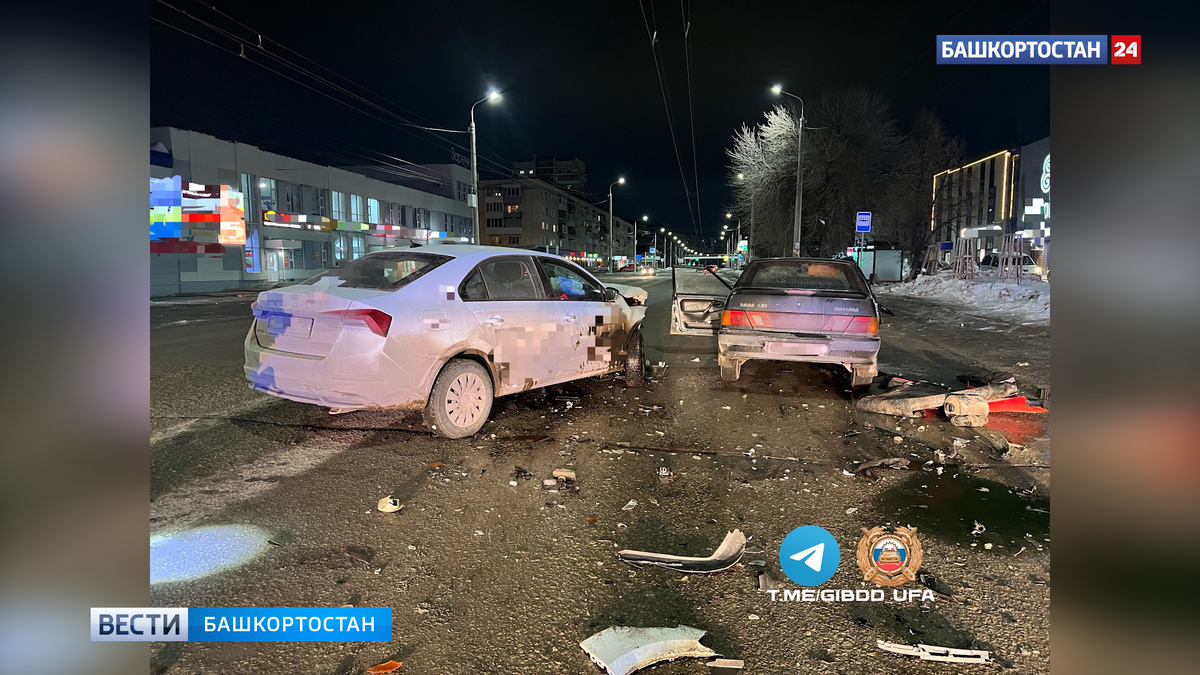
(496, 321)
(569, 318)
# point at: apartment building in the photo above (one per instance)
(537, 215)
(567, 173)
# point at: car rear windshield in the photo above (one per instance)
(386, 271)
(812, 275)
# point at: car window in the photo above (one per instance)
(473, 288)
(809, 275)
(568, 284)
(1028, 261)
(989, 261)
(386, 271)
(510, 279)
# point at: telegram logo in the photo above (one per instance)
(809, 555)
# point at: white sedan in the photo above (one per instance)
(444, 329)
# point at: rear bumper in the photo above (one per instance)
(842, 349)
(340, 380)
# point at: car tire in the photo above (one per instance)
(731, 369)
(461, 399)
(635, 361)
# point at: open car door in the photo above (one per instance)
(697, 299)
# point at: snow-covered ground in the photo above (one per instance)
(1027, 302)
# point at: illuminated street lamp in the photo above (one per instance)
(492, 97)
(778, 89)
(619, 181)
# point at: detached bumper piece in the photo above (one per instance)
(727, 555)
(621, 650)
(932, 653)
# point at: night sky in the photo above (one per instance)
(579, 80)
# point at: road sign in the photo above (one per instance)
(863, 222)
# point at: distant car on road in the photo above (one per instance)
(991, 261)
(787, 309)
(648, 271)
(628, 268)
(443, 329)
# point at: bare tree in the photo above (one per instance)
(850, 146)
(927, 150)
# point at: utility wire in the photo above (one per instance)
(658, 68)
(687, 55)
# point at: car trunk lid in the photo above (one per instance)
(305, 319)
(801, 311)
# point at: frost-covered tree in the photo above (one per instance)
(854, 160)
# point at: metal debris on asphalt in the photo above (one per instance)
(727, 555)
(934, 653)
(979, 528)
(621, 650)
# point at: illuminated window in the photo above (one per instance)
(512, 208)
(373, 211)
(358, 246)
(340, 210)
(357, 208)
(267, 195)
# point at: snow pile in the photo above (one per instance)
(1027, 302)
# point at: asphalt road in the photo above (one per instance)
(487, 577)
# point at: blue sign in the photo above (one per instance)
(1022, 49)
(863, 222)
(809, 555)
(241, 624)
(652, 250)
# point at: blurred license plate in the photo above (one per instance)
(292, 326)
(796, 348)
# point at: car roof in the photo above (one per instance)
(846, 261)
(466, 251)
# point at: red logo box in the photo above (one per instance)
(1126, 49)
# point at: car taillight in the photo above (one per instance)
(734, 317)
(864, 324)
(377, 321)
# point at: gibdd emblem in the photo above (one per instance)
(889, 559)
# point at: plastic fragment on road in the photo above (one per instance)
(1014, 404)
(723, 666)
(727, 555)
(386, 667)
(389, 504)
(911, 400)
(934, 653)
(630, 505)
(621, 650)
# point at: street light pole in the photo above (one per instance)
(619, 181)
(799, 166)
(492, 96)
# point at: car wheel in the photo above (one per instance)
(731, 369)
(461, 399)
(635, 361)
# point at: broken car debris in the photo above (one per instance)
(621, 650)
(727, 555)
(933, 653)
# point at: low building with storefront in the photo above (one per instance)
(1007, 192)
(300, 217)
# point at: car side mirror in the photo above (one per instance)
(610, 294)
